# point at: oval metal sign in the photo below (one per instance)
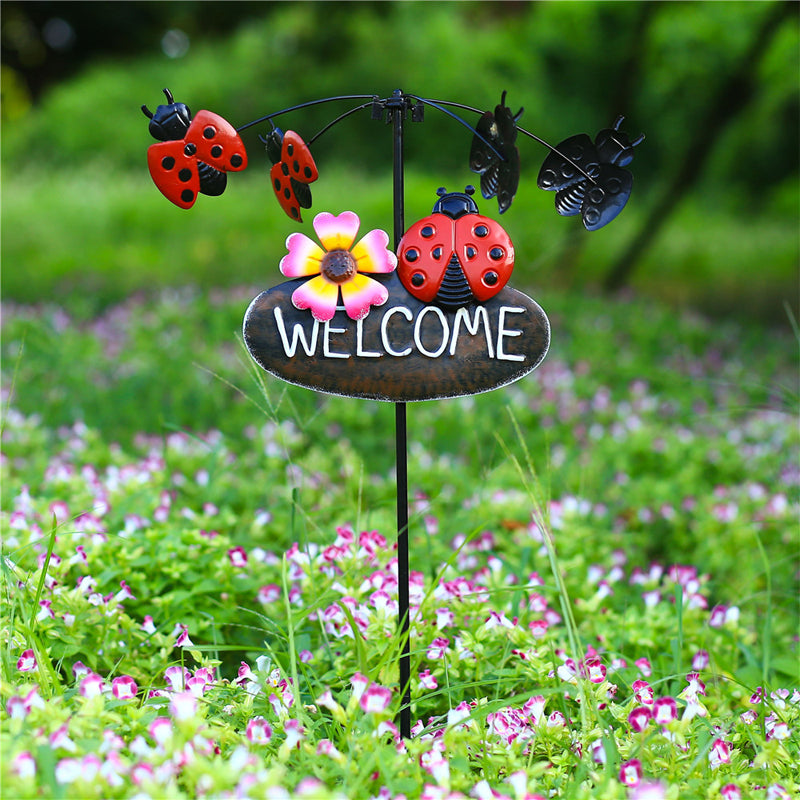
(403, 350)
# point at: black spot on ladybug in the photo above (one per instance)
(190, 149)
(497, 253)
(437, 253)
(209, 132)
(284, 168)
(471, 251)
(216, 151)
(295, 212)
(277, 185)
(187, 195)
(427, 231)
(481, 231)
(596, 195)
(491, 278)
(236, 160)
(296, 166)
(307, 172)
(185, 175)
(168, 162)
(412, 254)
(417, 279)
(290, 149)
(287, 193)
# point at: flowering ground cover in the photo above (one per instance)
(199, 577)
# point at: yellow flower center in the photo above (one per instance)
(338, 266)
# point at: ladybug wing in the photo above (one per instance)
(296, 155)
(292, 174)
(481, 156)
(174, 172)
(302, 192)
(486, 254)
(284, 191)
(502, 180)
(423, 255)
(558, 172)
(216, 141)
(499, 176)
(604, 199)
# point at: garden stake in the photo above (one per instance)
(398, 110)
(431, 318)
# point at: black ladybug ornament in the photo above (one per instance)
(498, 164)
(455, 256)
(192, 155)
(600, 197)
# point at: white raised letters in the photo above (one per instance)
(402, 344)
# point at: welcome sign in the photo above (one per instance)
(403, 350)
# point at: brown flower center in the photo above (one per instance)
(338, 266)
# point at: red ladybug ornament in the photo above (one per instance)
(193, 155)
(293, 170)
(455, 256)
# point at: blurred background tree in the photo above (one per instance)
(712, 220)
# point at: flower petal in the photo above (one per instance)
(303, 258)
(337, 233)
(371, 253)
(360, 293)
(318, 294)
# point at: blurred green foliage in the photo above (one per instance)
(81, 214)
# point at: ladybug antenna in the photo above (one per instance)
(147, 112)
(168, 95)
(469, 189)
(441, 191)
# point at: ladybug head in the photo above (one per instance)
(274, 144)
(171, 121)
(614, 146)
(455, 204)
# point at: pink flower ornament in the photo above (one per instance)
(337, 268)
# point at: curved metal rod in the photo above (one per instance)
(307, 104)
(437, 104)
(440, 106)
(338, 119)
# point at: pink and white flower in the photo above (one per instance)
(259, 731)
(92, 685)
(643, 692)
(27, 661)
(720, 753)
(630, 772)
(438, 648)
(375, 699)
(183, 705)
(124, 687)
(238, 557)
(639, 718)
(24, 764)
(295, 733)
(665, 710)
(338, 268)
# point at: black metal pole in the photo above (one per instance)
(397, 106)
